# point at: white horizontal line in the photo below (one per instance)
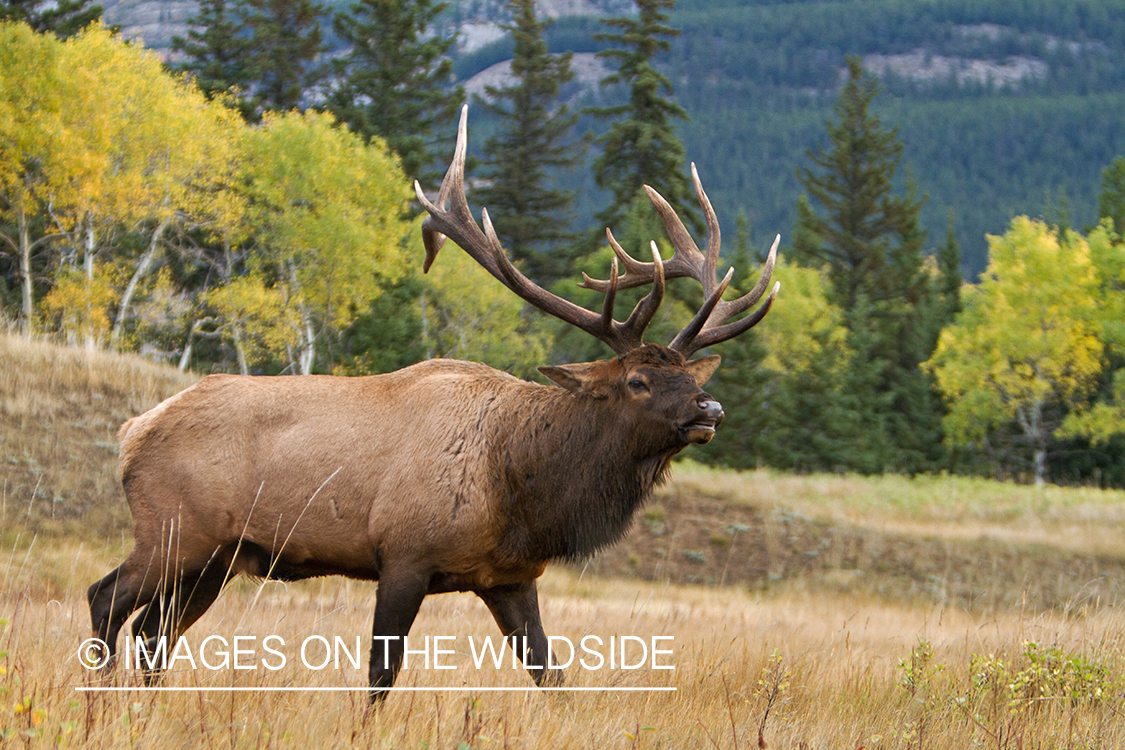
(159, 689)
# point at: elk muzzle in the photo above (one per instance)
(702, 427)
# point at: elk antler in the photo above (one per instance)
(458, 224)
(687, 261)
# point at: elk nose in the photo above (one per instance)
(711, 409)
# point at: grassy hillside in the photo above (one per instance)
(848, 610)
(60, 410)
(975, 544)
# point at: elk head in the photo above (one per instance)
(651, 382)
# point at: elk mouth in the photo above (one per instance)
(700, 431)
(708, 417)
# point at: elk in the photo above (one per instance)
(443, 476)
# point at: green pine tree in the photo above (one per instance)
(63, 19)
(949, 270)
(808, 422)
(868, 237)
(389, 334)
(641, 146)
(393, 82)
(871, 242)
(285, 41)
(1111, 201)
(536, 139)
(215, 50)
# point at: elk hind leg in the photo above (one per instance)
(116, 596)
(172, 612)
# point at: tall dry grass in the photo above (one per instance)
(843, 673)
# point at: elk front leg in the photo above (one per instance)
(515, 607)
(396, 605)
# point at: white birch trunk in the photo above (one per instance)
(143, 267)
(1031, 421)
(88, 264)
(27, 321)
(185, 358)
(239, 348)
(306, 334)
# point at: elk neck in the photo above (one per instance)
(572, 475)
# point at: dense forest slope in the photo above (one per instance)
(1003, 108)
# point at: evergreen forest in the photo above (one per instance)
(759, 77)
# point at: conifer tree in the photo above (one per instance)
(1111, 201)
(215, 48)
(63, 19)
(392, 83)
(285, 41)
(868, 237)
(641, 146)
(949, 270)
(536, 138)
(870, 240)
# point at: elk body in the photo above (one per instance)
(443, 476)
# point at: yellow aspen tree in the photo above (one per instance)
(327, 218)
(1105, 418)
(1026, 342)
(813, 328)
(32, 144)
(470, 315)
(151, 152)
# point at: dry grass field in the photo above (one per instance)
(805, 612)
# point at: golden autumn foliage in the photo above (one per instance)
(1027, 335)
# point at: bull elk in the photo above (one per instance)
(443, 476)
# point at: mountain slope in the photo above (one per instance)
(1003, 108)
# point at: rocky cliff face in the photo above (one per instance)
(154, 22)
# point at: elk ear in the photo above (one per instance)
(580, 377)
(703, 369)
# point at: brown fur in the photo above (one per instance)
(442, 476)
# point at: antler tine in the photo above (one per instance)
(452, 186)
(713, 331)
(685, 260)
(706, 328)
(457, 223)
(717, 334)
(636, 272)
(748, 300)
(610, 296)
(645, 310)
(714, 236)
(686, 336)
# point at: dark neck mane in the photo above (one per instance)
(572, 478)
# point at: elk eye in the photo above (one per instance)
(638, 385)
